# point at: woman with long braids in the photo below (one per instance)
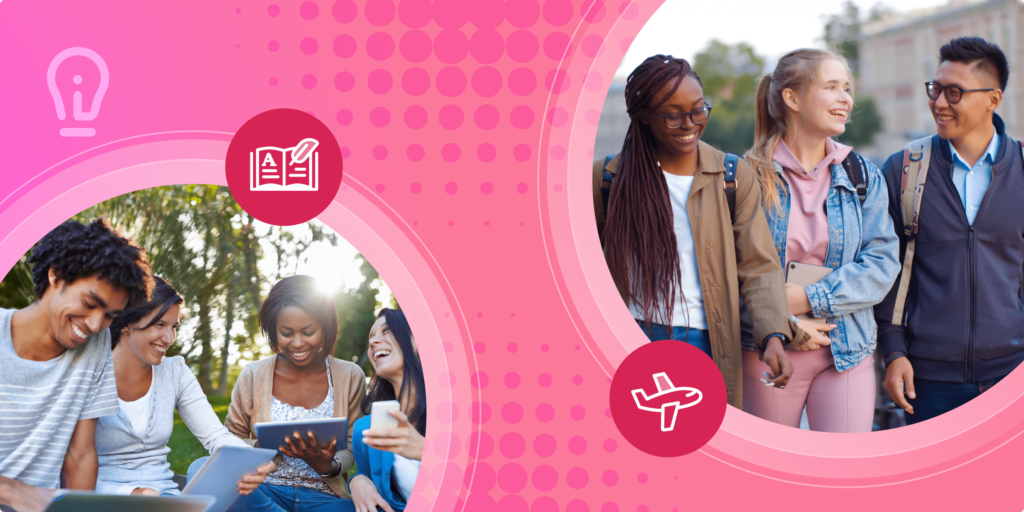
(679, 256)
(826, 207)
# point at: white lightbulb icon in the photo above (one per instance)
(79, 115)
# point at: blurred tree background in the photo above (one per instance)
(223, 262)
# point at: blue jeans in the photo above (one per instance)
(696, 337)
(281, 498)
(287, 498)
(936, 397)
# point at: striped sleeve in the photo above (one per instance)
(102, 396)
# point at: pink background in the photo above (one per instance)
(459, 123)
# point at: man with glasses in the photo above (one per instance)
(957, 328)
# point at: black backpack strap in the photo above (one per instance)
(730, 183)
(606, 177)
(856, 170)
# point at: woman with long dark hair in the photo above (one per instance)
(132, 445)
(301, 381)
(820, 216)
(681, 256)
(388, 459)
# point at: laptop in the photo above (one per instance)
(83, 501)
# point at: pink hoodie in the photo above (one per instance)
(807, 235)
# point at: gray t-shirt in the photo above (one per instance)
(42, 401)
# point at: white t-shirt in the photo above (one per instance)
(403, 474)
(138, 411)
(690, 300)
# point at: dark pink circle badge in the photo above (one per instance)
(284, 167)
(668, 398)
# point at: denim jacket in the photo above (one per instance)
(863, 252)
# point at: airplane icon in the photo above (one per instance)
(670, 409)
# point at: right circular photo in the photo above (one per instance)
(833, 215)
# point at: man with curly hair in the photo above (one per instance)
(56, 372)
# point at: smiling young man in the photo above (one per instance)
(964, 322)
(56, 375)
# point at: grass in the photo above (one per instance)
(185, 448)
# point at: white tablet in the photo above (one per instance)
(82, 501)
(271, 435)
(220, 475)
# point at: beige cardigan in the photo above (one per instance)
(251, 399)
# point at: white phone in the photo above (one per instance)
(379, 417)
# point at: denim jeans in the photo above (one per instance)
(281, 498)
(696, 337)
(936, 397)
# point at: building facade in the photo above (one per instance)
(900, 53)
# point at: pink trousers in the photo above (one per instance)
(836, 401)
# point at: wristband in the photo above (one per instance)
(335, 470)
(892, 357)
(785, 342)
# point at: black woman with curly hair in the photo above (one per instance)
(680, 254)
(56, 371)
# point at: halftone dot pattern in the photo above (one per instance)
(415, 81)
(486, 46)
(512, 478)
(522, 81)
(577, 505)
(451, 153)
(451, 81)
(380, 152)
(415, 117)
(592, 45)
(479, 380)
(380, 117)
(486, 117)
(273, 10)
(610, 477)
(512, 380)
(577, 478)
(522, 46)
(344, 81)
(308, 81)
(480, 412)
(380, 46)
(380, 12)
(446, 412)
(344, 46)
(557, 12)
(273, 46)
(414, 13)
(344, 11)
(521, 117)
(610, 445)
(416, 152)
(451, 46)
(480, 477)
(521, 152)
(380, 81)
(273, 81)
(486, 81)
(309, 46)
(577, 445)
(557, 81)
(481, 445)
(557, 45)
(309, 11)
(451, 188)
(512, 412)
(415, 46)
(544, 478)
(545, 413)
(577, 412)
(642, 478)
(545, 445)
(450, 117)
(557, 117)
(512, 445)
(486, 187)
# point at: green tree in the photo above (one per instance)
(842, 32)
(356, 314)
(729, 74)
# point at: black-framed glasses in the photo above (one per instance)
(953, 93)
(674, 120)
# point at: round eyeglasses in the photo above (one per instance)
(674, 120)
(953, 93)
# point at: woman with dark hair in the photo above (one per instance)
(388, 459)
(680, 254)
(132, 445)
(302, 381)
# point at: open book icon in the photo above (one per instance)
(291, 169)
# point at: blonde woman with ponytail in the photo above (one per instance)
(809, 192)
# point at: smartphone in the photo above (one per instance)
(379, 417)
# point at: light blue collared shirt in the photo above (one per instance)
(972, 182)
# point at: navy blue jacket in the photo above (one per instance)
(965, 309)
